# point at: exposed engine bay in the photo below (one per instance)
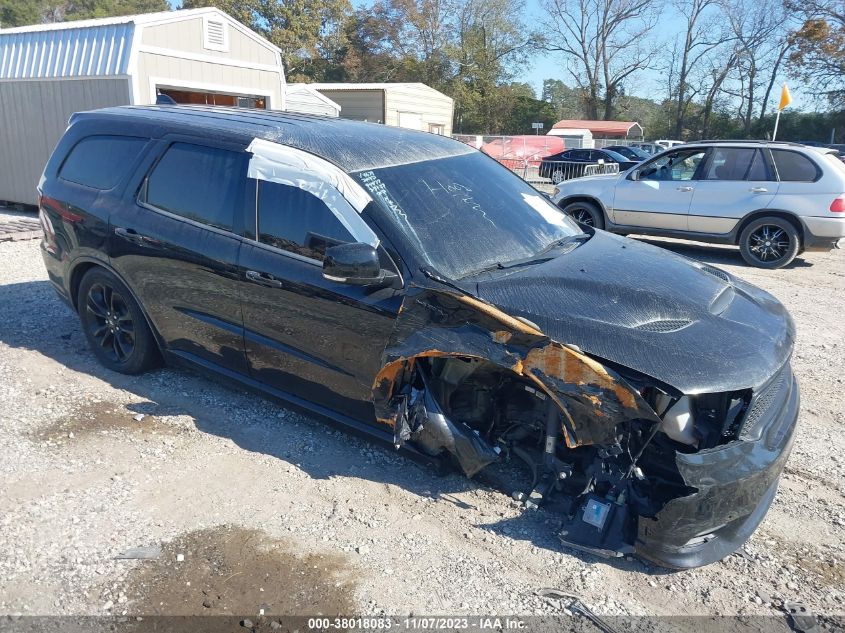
(599, 443)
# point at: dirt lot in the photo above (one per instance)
(258, 507)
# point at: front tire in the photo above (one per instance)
(586, 214)
(114, 324)
(769, 242)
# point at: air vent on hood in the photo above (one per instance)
(721, 274)
(663, 325)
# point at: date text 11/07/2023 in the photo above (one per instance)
(417, 623)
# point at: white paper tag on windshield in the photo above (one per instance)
(549, 212)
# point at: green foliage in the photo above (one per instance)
(23, 12)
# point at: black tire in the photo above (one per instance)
(114, 324)
(586, 214)
(769, 242)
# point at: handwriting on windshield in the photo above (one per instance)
(458, 192)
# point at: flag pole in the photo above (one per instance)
(777, 120)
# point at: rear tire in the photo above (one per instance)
(769, 242)
(586, 214)
(114, 324)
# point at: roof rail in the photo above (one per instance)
(744, 140)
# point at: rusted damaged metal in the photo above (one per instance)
(434, 323)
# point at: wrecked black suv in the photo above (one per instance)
(408, 286)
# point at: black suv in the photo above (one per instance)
(410, 287)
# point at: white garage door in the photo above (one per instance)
(411, 120)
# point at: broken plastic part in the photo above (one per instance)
(435, 324)
(678, 422)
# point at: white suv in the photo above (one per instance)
(774, 200)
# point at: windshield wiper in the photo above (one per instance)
(540, 257)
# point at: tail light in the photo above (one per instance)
(838, 204)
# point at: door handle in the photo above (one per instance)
(758, 190)
(263, 279)
(131, 235)
(685, 189)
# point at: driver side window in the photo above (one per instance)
(297, 221)
(675, 166)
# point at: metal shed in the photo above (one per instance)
(303, 98)
(409, 105)
(50, 71)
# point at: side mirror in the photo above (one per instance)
(635, 175)
(356, 264)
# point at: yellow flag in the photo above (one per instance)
(785, 98)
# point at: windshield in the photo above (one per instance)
(463, 214)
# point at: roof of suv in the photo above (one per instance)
(351, 145)
(753, 142)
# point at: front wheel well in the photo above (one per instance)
(764, 213)
(594, 201)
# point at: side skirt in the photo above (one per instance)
(368, 431)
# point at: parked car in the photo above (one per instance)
(573, 163)
(411, 288)
(649, 148)
(774, 200)
(631, 152)
(667, 143)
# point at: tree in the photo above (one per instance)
(605, 43)
(567, 103)
(310, 33)
(819, 47)
(23, 12)
(703, 34)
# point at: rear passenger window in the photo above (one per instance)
(294, 220)
(101, 161)
(734, 163)
(201, 183)
(794, 167)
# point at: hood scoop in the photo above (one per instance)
(664, 326)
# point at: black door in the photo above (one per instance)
(310, 337)
(176, 246)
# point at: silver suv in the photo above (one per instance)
(774, 200)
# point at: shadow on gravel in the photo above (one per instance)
(717, 255)
(33, 318)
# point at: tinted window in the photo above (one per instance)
(734, 163)
(101, 161)
(610, 155)
(581, 154)
(793, 167)
(205, 184)
(679, 165)
(297, 221)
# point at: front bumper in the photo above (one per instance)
(735, 485)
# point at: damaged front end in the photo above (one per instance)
(615, 452)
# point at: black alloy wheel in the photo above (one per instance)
(770, 242)
(114, 324)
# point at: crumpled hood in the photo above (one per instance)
(652, 311)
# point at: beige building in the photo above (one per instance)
(50, 71)
(410, 105)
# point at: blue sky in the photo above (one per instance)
(552, 66)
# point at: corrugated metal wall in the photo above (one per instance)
(33, 117)
(83, 52)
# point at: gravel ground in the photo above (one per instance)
(95, 463)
